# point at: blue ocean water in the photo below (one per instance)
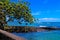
(50, 35)
(49, 24)
(54, 24)
(46, 35)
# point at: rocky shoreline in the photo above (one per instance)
(29, 29)
(25, 29)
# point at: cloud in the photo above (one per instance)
(49, 19)
(40, 12)
(36, 13)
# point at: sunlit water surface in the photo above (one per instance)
(50, 35)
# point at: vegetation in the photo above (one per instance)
(19, 11)
(19, 29)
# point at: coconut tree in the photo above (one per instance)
(13, 11)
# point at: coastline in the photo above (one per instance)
(7, 35)
(25, 29)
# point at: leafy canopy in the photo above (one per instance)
(17, 11)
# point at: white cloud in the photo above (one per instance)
(36, 13)
(49, 20)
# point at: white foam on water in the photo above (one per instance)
(42, 26)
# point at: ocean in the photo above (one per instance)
(46, 35)
(49, 24)
(50, 35)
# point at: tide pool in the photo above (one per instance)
(50, 35)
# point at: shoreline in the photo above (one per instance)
(7, 35)
(25, 29)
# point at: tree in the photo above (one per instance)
(17, 11)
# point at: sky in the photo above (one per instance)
(45, 10)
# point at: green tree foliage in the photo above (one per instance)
(14, 11)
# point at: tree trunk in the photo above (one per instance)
(1, 26)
